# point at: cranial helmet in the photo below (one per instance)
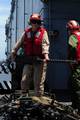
(35, 16)
(73, 25)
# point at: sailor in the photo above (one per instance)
(73, 29)
(35, 43)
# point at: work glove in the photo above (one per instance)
(13, 55)
(46, 58)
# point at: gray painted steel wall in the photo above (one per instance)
(59, 13)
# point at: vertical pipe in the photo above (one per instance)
(32, 6)
(16, 20)
(10, 29)
(11, 35)
(49, 16)
(24, 14)
(7, 46)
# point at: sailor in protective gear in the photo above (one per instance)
(73, 28)
(35, 44)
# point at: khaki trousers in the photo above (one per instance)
(38, 74)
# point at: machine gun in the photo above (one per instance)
(9, 65)
(36, 59)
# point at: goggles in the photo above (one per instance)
(35, 21)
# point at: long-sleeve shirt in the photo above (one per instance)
(72, 46)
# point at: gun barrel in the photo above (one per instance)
(63, 61)
(59, 60)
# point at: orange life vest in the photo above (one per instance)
(33, 47)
